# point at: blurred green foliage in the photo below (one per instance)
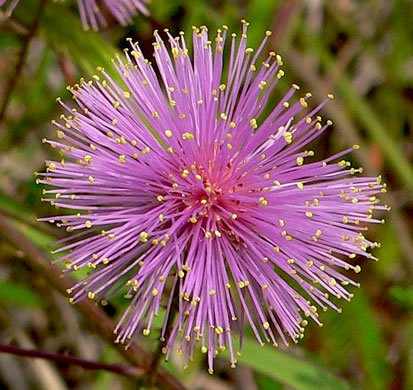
(363, 51)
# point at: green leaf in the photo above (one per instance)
(368, 340)
(41, 238)
(389, 252)
(288, 369)
(402, 297)
(11, 293)
(87, 49)
(260, 16)
(264, 382)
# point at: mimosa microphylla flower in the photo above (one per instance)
(122, 10)
(10, 7)
(91, 14)
(218, 211)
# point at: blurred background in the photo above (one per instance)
(362, 51)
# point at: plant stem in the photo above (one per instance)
(60, 358)
(22, 58)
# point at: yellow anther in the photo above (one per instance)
(219, 330)
(288, 137)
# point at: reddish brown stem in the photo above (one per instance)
(60, 358)
(22, 58)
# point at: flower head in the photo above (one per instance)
(122, 10)
(192, 193)
(91, 14)
(10, 7)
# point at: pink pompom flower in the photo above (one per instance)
(194, 195)
(91, 12)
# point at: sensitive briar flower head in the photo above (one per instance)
(186, 194)
(123, 10)
(11, 6)
(91, 14)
